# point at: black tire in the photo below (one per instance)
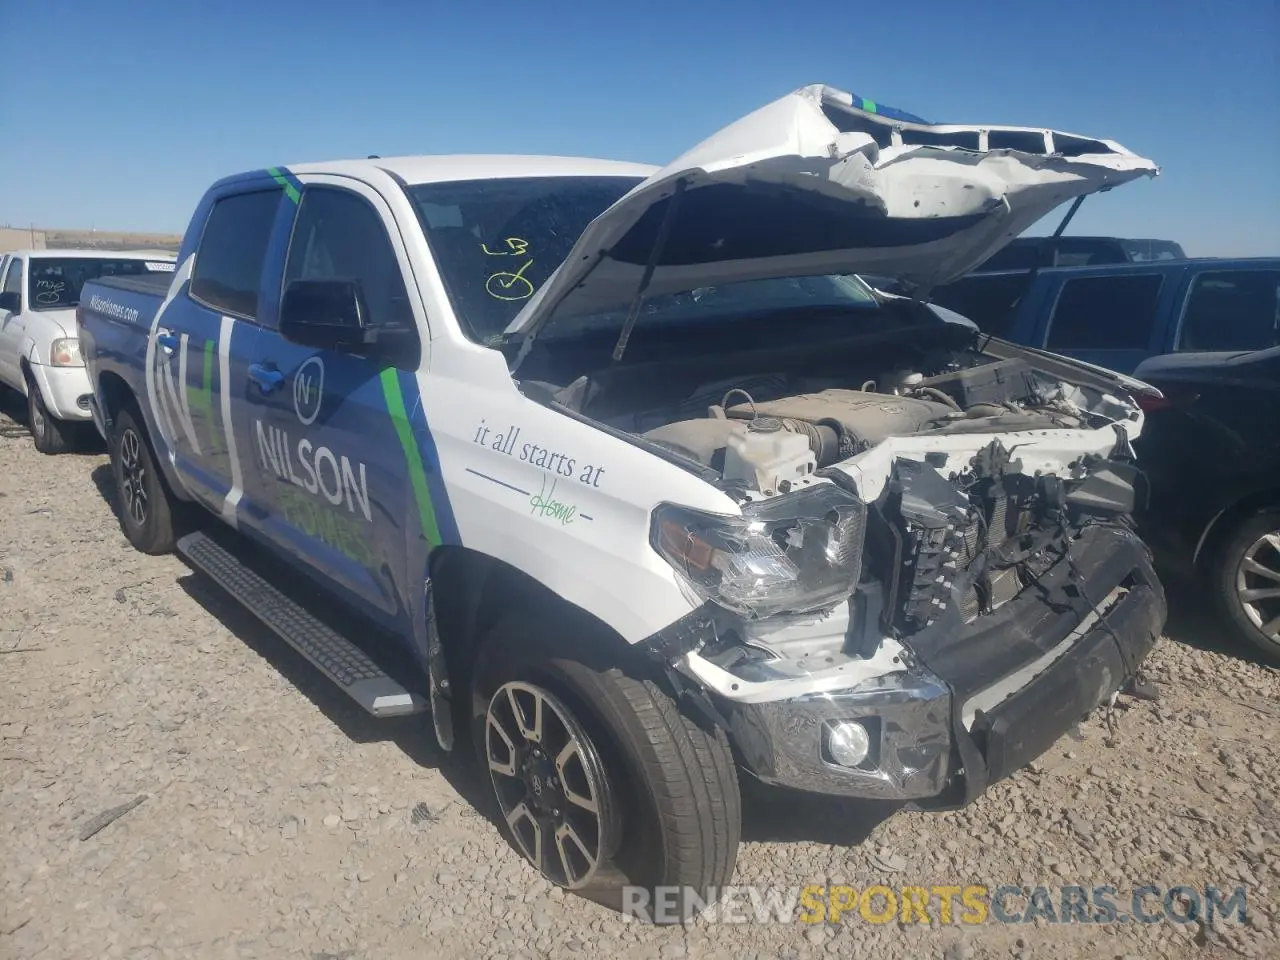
(51, 436)
(144, 504)
(1249, 569)
(670, 787)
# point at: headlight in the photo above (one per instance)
(792, 554)
(65, 352)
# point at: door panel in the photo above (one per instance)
(331, 470)
(201, 340)
(11, 325)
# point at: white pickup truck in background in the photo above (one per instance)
(39, 352)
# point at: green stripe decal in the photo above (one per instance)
(289, 189)
(417, 476)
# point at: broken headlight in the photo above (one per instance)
(792, 554)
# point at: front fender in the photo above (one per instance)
(33, 352)
(557, 498)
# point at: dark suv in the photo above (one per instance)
(1211, 451)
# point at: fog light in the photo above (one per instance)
(848, 742)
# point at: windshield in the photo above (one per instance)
(55, 282)
(746, 297)
(497, 241)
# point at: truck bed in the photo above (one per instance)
(114, 325)
(155, 284)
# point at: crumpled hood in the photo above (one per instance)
(822, 182)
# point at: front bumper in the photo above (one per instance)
(65, 390)
(984, 698)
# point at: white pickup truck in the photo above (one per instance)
(626, 474)
(39, 352)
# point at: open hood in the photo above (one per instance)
(821, 182)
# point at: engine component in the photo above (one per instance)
(1001, 382)
(1108, 490)
(768, 457)
(899, 381)
(940, 542)
(866, 418)
(707, 440)
(702, 440)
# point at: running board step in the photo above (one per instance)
(333, 654)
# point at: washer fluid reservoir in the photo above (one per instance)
(767, 456)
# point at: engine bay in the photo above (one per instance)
(766, 432)
(968, 470)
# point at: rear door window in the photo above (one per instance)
(232, 251)
(1105, 313)
(1232, 310)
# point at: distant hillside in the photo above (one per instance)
(18, 238)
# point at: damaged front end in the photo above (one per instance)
(923, 570)
(921, 643)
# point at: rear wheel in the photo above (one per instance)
(145, 505)
(50, 434)
(599, 779)
(1248, 581)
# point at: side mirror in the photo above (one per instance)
(11, 300)
(331, 315)
(325, 314)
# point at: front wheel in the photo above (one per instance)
(1248, 586)
(49, 434)
(601, 782)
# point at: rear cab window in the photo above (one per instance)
(1105, 313)
(232, 251)
(1231, 310)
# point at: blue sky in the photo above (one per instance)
(119, 115)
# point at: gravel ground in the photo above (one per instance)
(276, 820)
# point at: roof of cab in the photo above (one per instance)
(441, 169)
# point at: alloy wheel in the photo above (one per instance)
(550, 784)
(133, 474)
(1258, 584)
